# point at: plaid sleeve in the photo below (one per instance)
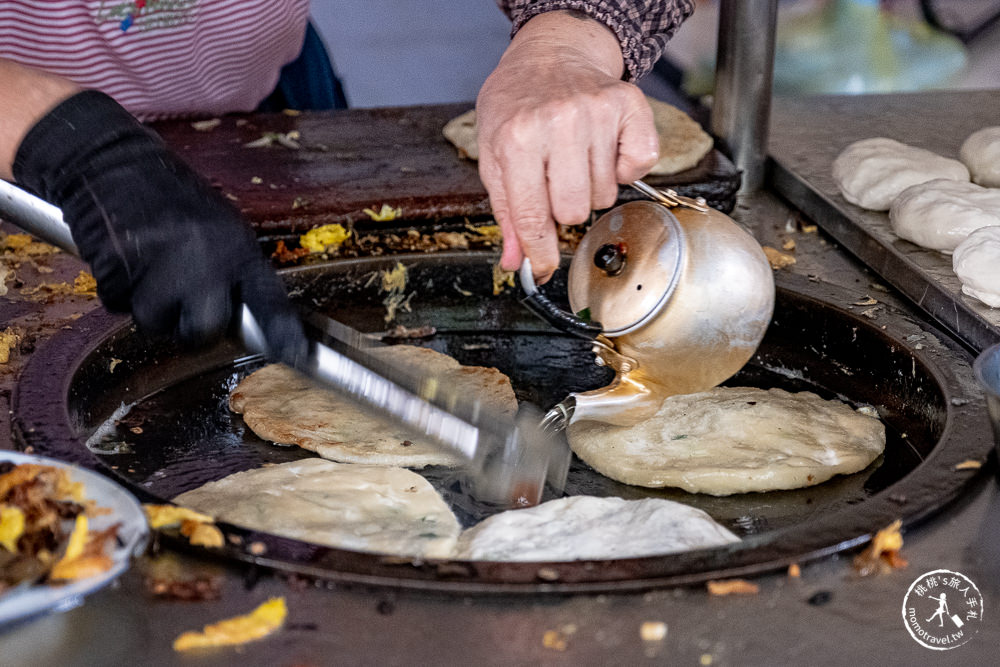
(642, 26)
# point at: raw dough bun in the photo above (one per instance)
(283, 406)
(981, 154)
(872, 172)
(589, 528)
(364, 508)
(683, 143)
(977, 264)
(734, 440)
(939, 214)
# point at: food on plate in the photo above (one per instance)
(683, 143)
(939, 214)
(44, 531)
(981, 154)
(259, 623)
(283, 406)
(378, 509)
(86, 555)
(734, 440)
(872, 172)
(976, 262)
(590, 528)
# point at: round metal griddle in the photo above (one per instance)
(180, 434)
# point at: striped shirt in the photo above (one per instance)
(160, 58)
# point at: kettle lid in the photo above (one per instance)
(627, 266)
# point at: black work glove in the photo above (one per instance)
(162, 244)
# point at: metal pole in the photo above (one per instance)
(744, 68)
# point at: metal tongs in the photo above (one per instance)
(507, 461)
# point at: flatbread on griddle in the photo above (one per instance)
(463, 132)
(683, 143)
(734, 440)
(590, 528)
(378, 509)
(285, 407)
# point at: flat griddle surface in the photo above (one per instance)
(362, 158)
(180, 434)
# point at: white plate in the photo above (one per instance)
(22, 603)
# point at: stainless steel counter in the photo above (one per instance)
(809, 133)
(860, 621)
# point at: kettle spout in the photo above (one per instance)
(622, 403)
(629, 399)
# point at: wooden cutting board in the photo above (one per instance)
(363, 158)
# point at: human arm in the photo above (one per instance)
(162, 244)
(642, 27)
(558, 127)
(36, 94)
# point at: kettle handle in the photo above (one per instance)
(540, 305)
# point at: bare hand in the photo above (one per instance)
(558, 130)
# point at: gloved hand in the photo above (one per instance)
(162, 244)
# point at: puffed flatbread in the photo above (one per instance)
(283, 406)
(377, 509)
(683, 143)
(734, 440)
(591, 528)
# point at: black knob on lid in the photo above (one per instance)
(610, 258)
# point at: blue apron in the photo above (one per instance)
(308, 82)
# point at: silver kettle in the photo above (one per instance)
(675, 296)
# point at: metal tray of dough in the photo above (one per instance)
(939, 122)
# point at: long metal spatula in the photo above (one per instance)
(508, 461)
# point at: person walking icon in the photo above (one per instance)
(941, 610)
